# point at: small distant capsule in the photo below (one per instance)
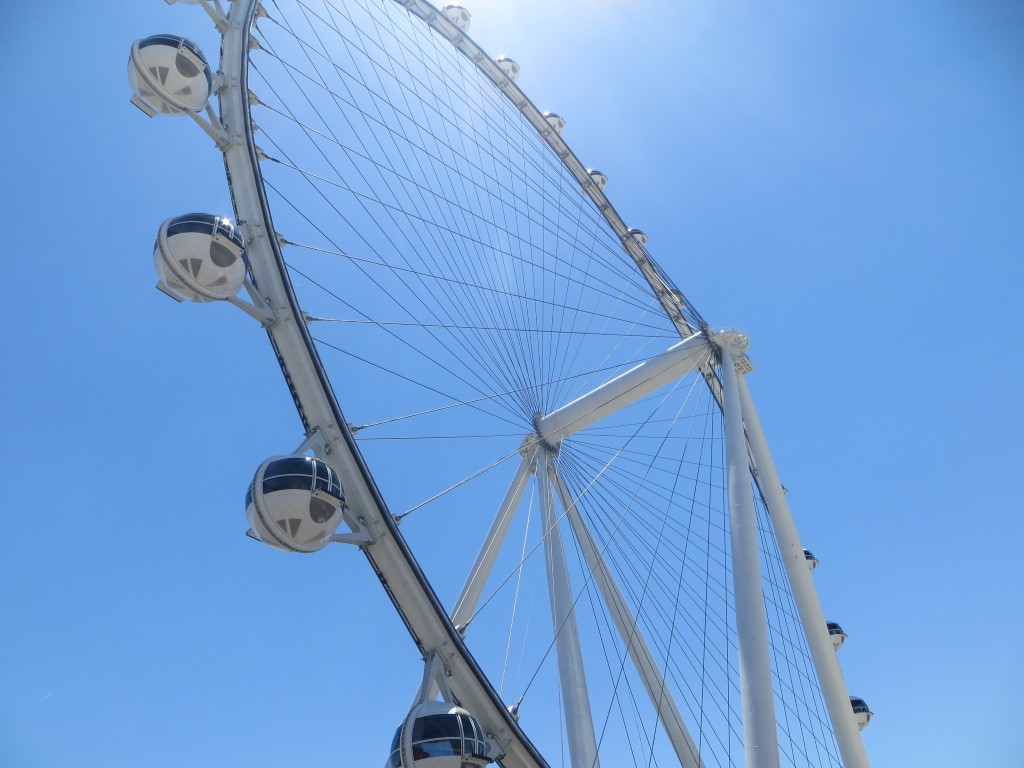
(812, 561)
(861, 712)
(509, 67)
(556, 121)
(836, 635)
(458, 16)
(599, 179)
(638, 236)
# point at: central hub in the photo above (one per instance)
(542, 440)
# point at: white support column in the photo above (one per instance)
(629, 631)
(627, 388)
(760, 737)
(837, 699)
(466, 605)
(571, 674)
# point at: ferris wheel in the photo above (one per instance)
(486, 358)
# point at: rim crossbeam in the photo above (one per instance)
(623, 390)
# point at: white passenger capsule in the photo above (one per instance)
(812, 561)
(294, 503)
(458, 16)
(836, 635)
(509, 67)
(599, 179)
(443, 736)
(200, 257)
(638, 236)
(556, 121)
(168, 75)
(861, 712)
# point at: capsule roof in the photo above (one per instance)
(859, 705)
(441, 732)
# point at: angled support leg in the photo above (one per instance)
(575, 697)
(466, 605)
(837, 699)
(629, 631)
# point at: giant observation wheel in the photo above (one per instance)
(486, 359)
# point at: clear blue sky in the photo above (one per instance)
(844, 181)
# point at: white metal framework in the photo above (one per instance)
(475, 276)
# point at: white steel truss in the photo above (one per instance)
(746, 450)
